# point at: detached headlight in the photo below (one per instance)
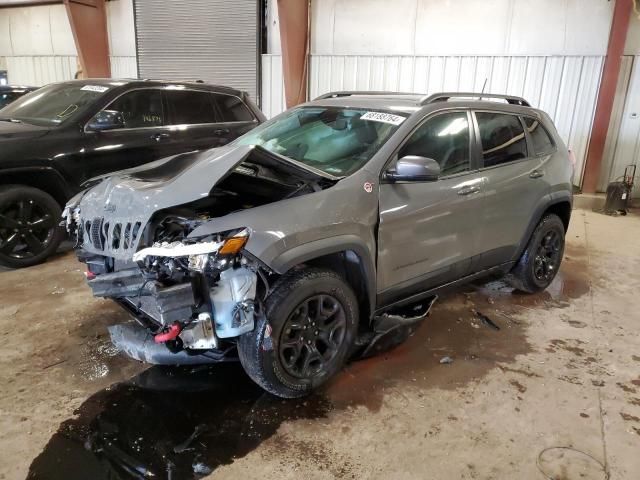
(198, 254)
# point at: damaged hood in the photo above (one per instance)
(138, 193)
(133, 196)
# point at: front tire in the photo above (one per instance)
(29, 231)
(540, 261)
(304, 335)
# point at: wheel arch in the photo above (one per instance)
(560, 204)
(43, 178)
(347, 255)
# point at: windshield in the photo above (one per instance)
(337, 141)
(7, 97)
(53, 104)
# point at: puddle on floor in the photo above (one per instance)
(132, 429)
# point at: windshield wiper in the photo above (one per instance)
(12, 120)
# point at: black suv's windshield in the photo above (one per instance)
(53, 104)
(337, 141)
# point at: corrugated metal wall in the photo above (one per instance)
(212, 40)
(564, 86)
(40, 70)
(622, 147)
(123, 67)
(273, 101)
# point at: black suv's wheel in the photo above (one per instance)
(304, 337)
(29, 230)
(540, 261)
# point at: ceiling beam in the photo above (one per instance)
(26, 3)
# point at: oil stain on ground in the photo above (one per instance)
(145, 427)
(181, 423)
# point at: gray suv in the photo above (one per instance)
(326, 232)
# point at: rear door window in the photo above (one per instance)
(502, 138)
(232, 109)
(190, 107)
(445, 139)
(542, 143)
(140, 108)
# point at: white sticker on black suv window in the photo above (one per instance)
(383, 117)
(95, 88)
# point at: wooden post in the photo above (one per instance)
(88, 19)
(294, 37)
(604, 105)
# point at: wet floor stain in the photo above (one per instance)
(183, 423)
(145, 427)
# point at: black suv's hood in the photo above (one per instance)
(11, 130)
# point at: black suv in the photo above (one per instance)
(54, 139)
(9, 93)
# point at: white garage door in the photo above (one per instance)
(212, 40)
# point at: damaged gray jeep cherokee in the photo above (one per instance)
(325, 231)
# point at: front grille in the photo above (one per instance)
(97, 235)
(116, 237)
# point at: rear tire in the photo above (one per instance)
(304, 335)
(540, 261)
(29, 231)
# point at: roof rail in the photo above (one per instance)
(349, 93)
(444, 96)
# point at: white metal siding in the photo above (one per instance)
(123, 67)
(40, 70)
(211, 40)
(273, 101)
(622, 147)
(563, 86)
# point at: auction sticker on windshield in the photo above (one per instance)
(95, 88)
(383, 117)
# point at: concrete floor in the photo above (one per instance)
(563, 370)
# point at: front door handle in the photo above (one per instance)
(469, 189)
(159, 136)
(536, 174)
(221, 131)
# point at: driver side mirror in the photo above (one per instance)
(106, 120)
(414, 168)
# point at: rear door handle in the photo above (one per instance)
(160, 136)
(469, 189)
(221, 131)
(536, 174)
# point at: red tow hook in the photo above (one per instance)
(89, 274)
(171, 334)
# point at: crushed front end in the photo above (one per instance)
(191, 297)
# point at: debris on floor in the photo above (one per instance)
(486, 320)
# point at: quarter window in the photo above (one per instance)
(542, 143)
(190, 107)
(502, 138)
(232, 109)
(140, 108)
(445, 139)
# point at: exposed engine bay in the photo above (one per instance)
(191, 297)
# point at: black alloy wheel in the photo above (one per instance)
(303, 334)
(540, 261)
(29, 230)
(548, 256)
(312, 336)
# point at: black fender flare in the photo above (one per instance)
(543, 205)
(325, 246)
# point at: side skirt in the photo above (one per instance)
(418, 297)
